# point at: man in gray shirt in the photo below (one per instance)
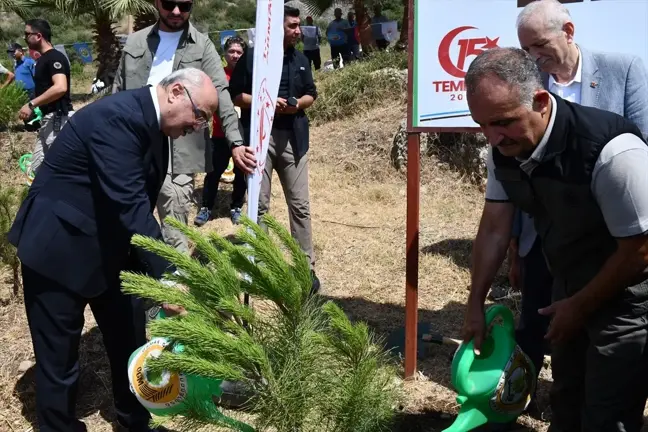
(581, 173)
(609, 81)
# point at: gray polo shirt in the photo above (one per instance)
(619, 181)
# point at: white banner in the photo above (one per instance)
(268, 61)
(464, 28)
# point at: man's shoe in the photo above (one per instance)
(315, 288)
(235, 215)
(202, 217)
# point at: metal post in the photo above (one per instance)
(412, 252)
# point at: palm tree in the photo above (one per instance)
(19, 7)
(317, 7)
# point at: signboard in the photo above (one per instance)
(442, 52)
(268, 61)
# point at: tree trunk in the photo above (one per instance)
(108, 48)
(404, 34)
(16, 278)
(364, 24)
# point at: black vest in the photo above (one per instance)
(558, 193)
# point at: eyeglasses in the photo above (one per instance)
(169, 5)
(27, 34)
(201, 119)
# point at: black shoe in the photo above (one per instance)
(315, 288)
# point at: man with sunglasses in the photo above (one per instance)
(151, 54)
(52, 88)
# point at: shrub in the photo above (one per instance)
(77, 70)
(358, 86)
(309, 367)
(12, 98)
(10, 200)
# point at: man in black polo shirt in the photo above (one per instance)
(52, 80)
(287, 151)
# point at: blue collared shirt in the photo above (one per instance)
(24, 71)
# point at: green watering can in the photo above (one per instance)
(495, 386)
(171, 393)
(38, 116)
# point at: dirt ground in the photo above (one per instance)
(358, 212)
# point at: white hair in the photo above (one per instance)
(552, 13)
(191, 78)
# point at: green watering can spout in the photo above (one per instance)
(468, 419)
(495, 386)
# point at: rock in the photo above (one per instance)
(25, 365)
(392, 75)
(464, 153)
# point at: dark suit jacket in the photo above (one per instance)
(96, 188)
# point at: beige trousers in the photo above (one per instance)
(175, 200)
(293, 175)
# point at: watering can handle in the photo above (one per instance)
(467, 351)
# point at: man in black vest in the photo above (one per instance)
(580, 172)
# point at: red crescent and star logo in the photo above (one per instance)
(467, 48)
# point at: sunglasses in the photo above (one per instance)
(169, 6)
(201, 119)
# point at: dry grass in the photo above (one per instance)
(358, 211)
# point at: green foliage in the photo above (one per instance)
(216, 15)
(310, 369)
(12, 98)
(10, 200)
(358, 86)
(66, 29)
(76, 70)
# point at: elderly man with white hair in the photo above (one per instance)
(96, 188)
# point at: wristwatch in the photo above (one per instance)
(31, 105)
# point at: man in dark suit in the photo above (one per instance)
(97, 188)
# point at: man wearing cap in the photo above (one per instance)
(23, 69)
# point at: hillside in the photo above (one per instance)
(208, 16)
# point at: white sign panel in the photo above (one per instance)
(268, 61)
(464, 28)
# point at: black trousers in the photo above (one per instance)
(314, 58)
(221, 156)
(536, 294)
(601, 374)
(55, 316)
